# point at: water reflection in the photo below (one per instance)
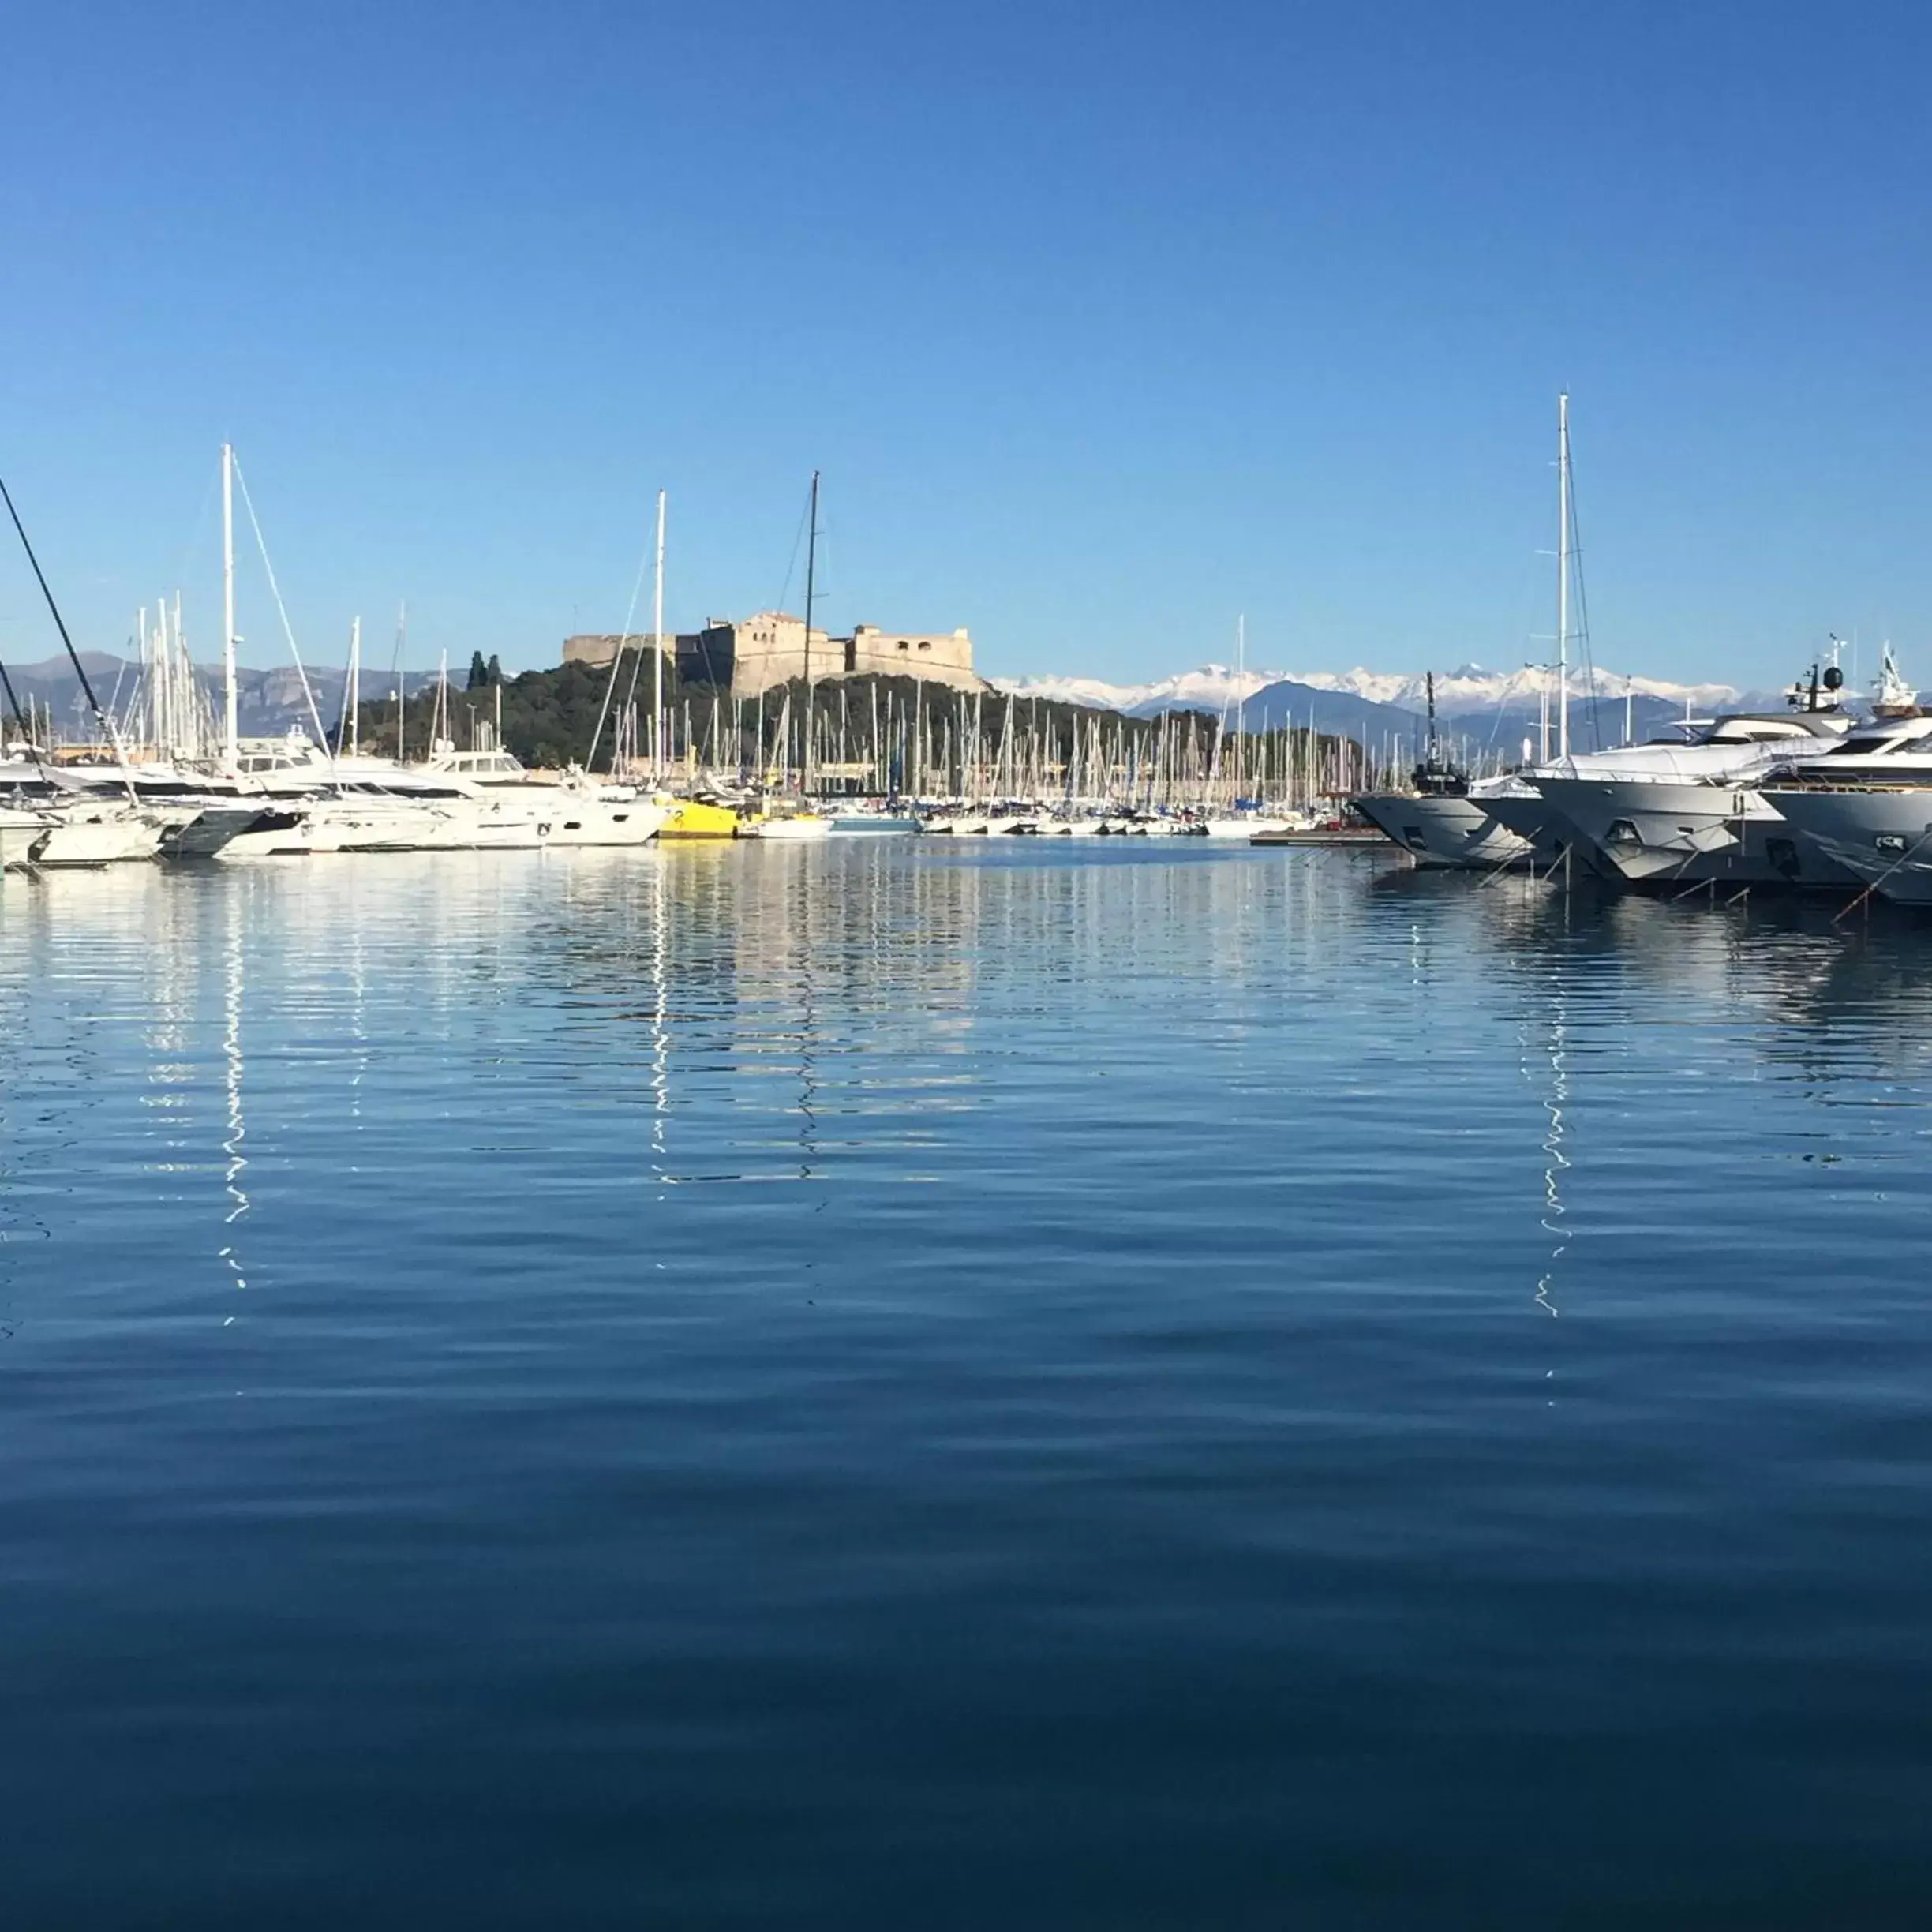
(232, 1072)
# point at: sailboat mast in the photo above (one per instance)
(1562, 575)
(657, 709)
(230, 738)
(812, 585)
(1241, 705)
(355, 689)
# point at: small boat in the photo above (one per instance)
(796, 827)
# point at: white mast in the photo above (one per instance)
(230, 740)
(1241, 703)
(811, 579)
(1562, 575)
(657, 709)
(354, 693)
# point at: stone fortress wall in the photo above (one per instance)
(748, 656)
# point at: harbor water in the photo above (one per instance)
(959, 1384)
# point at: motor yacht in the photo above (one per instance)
(1696, 813)
(1866, 811)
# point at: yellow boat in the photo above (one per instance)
(697, 818)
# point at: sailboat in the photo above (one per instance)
(806, 822)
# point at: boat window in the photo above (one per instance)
(1755, 731)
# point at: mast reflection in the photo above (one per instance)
(237, 1134)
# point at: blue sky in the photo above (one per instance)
(1104, 322)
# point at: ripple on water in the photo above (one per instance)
(958, 1384)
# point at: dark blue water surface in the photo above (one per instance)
(908, 1385)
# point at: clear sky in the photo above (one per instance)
(1105, 322)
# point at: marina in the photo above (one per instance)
(875, 1051)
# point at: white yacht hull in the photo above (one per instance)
(564, 818)
(334, 825)
(1552, 836)
(791, 830)
(1880, 839)
(1445, 830)
(1246, 828)
(1651, 831)
(98, 838)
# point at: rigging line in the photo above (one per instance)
(797, 541)
(73, 657)
(657, 732)
(1574, 538)
(637, 591)
(315, 717)
(200, 525)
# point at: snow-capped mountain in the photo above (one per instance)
(1468, 688)
(1207, 688)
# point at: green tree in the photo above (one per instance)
(479, 671)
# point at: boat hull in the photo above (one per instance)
(107, 838)
(1449, 830)
(696, 818)
(1652, 832)
(792, 831)
(1534, 818)
(1878, 839)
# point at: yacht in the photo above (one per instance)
(1449, 819)
(1867, 810)
(1693, 813)
(465, 801)
(1446, 819)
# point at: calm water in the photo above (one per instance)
(992, 1386)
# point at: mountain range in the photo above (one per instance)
(1480, 713)
(1469, 688)
(267, 703)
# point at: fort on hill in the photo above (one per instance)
(749, 656)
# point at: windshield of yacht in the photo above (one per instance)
(1758, 731)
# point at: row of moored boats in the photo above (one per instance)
(288, 798)
(1813, 797)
